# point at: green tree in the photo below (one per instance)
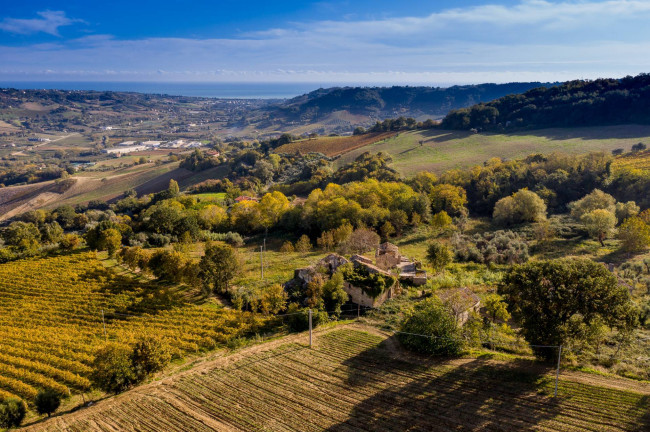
(634, 234)
(551, 299)
(430, 328)
(626, 210)
(69, 242)
(522, 206)
(168, 265)
(334, 296)
(387, 230)
(149, 355)
(51, 233)
(496, 308)
(12, 412)
(438, 256)
(24, 236)
(274, 299)
(441, 221)
(110, 240)
(173, 190)
(112, 368)
(599, 223)
(218, 266)
(47, 401)
(593, 201)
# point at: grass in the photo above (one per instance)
(333, 146)
(443, 150)
(355, 379)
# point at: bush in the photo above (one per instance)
(634, 234)
(69, 242)
(303, 244)
(232, 238)
(287, 247)
(430, 328)
(499, 247)
(298, 318)
(47, 401)
(12, 412)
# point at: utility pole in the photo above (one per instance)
(104, 324)
(358, 311)
(262, 261)
(309, 328)
(557, 373)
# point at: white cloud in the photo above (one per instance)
(49, 22)
(532, 40)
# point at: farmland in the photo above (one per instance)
(358, 379)
(634, 161)
(333, 146)
(443, 150)
(53, 311)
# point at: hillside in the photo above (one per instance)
(572, 104)
(358, 379)
(105, 186)
(442, 150)
(384, 102)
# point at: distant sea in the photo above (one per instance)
(213, 90)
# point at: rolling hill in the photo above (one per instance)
(442, 150)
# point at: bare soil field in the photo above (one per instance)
(356, 378)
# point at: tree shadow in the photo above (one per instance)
(644, 424)
(431, 394)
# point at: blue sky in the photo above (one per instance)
(357, 41)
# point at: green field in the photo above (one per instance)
(357, 379)
(442, 150)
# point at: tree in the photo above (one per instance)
(387, 230)
(438, 256)
(112, 368)
(452, 199)
(173, 190)
(51, 232)
(218, 266)
(212, 216)
(303, 244)
(361, 240)
(12, 412)
(47, 401)
(441, 221)
(110, 240)
(626, 210)
(168, 265)
(271, 207)
(522, 206)
(430, 328)
(639, 147)
(553, 299)
(634, 234)
(149, 355)
(274, 299)
(496, 308)
(24, 236)
(593, 201)
(69, 242)
(334, 296)
(599, 223)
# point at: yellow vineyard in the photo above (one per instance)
(55, 312)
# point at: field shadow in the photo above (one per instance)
(440, 135)
(587, 133)
(644, 424)
(442, 394)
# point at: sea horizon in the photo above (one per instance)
(233, 90)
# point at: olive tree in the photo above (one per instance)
(555, 300)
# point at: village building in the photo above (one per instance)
(124, 150)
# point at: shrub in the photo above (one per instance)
(303, 244)
(287, 247)
(430, 328)
(298, 318)
(499, 247)
(47, 401)
(593, 201)
(232, 238)
(69, 242)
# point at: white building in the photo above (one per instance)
(126, 143)
(124, 150)
(174, 144)
(152, 143)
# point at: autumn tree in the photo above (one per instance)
(303, 244)
(452, 199)
(592, 201)
(634, 234)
